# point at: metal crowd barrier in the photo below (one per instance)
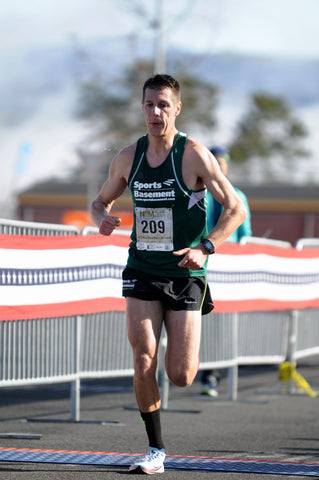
(37, 351)
(88, 230)
(69, 349)
(256, 338)
(265, 241)
(302, 243)
(44, 350)
(17, 227)
(64, 349)
(305, 326)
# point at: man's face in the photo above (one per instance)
(160, 108)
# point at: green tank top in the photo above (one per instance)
(168, 215)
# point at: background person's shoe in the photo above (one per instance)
(210, 388)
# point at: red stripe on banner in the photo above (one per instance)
(29, 242)
(252, 249)
(29, 312)
(261, 305)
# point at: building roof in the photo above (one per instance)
(273, 196)
(280, 191)
(65, 187)
(68, 193)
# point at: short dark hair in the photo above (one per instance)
(160, 81)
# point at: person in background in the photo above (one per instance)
(211, 378)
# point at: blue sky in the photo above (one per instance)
(266, 27)
(284, 28)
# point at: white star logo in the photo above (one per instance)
(195, 198)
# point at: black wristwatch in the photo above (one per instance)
(208, 245)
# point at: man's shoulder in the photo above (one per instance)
(196, 150)
(126, 154)
(123, 160)
(194, 145)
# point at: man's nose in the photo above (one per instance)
(156, 110)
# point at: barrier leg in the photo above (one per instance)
(292, 343)
(233, 383)
(292, 336)
(75, 400)
(76, 384)
(233, 371)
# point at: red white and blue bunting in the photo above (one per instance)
(42, 277)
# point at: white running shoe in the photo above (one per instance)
(210, 390)
(152, 463)
(209, 387)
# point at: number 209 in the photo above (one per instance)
(152, 226)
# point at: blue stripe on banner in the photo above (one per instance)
(20, 277)
(171, 462)
(261, 276)
(42, 276)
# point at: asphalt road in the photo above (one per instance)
(265, 424)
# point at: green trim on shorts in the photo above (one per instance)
(204, 294)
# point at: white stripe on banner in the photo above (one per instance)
(62, 258)
(263, 290)
(261, 262)
(64, 292)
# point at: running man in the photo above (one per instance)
(164, 281)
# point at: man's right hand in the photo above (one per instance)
(108, 224)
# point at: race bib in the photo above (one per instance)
(154, 229)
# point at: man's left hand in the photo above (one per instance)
(193, 259)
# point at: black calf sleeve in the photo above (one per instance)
(152, 424)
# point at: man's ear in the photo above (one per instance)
(178, 108)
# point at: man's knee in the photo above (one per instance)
(181, 378)
(144, 364)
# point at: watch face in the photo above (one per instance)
(208, 246)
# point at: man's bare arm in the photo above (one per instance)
(110, 191)
(234, 211)
(208, 173)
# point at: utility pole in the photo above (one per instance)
(160, 57)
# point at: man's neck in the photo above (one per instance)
(159, 147)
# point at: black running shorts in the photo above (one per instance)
(175, 293)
